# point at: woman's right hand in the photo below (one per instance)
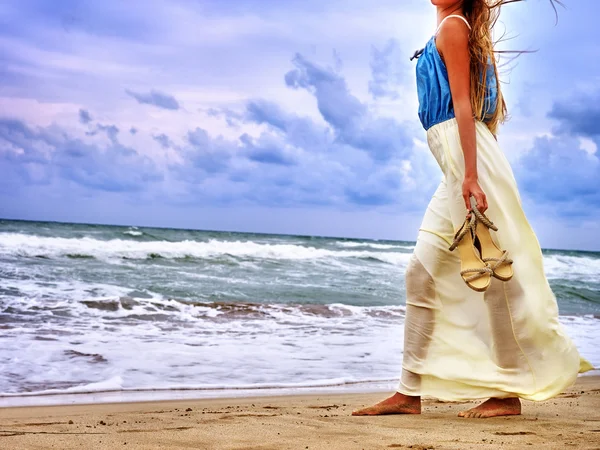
(471, 187)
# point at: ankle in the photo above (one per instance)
(407, 398)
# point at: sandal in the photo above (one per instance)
(474, 271)
(498, 260)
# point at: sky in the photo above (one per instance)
(295, 117)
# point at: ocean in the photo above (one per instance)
(105, 313)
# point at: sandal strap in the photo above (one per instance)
(480, 216)
(504, 259)
(467, 226)
(477, 273)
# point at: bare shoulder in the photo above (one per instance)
(454, 35)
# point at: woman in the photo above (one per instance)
(504, 343)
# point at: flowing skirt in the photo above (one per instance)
(460, 344)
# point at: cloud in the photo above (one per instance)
(352, 158)
(560, 170)
(379, 188)
(354, 125)
(342, 156)
(84, 116)
(385, 74)
(338, 64)
(164, 140)
(579, 115)
(297, 131)
(232, 118)
(205, 154)
(111, 131)
(266, 149)
(337, 106)
(44, 155)
(155, 98)
(262, 111)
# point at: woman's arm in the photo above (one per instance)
(453, 45)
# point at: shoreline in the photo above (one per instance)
(316, 421)
(187, 394)
(111, 396)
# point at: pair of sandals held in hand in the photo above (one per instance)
(480, 257)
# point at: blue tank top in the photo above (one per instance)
(433, 88)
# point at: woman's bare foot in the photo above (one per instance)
(396, 404)
(494, 407)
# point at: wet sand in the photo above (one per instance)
(571, 420)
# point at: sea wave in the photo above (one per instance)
(157, 308)
(236, 355)
(350, 244)
(115, 384)
(15, 244)
(572, 267)
(133, 233)
(583, 267)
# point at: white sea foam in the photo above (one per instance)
(582, 268)
(373, 245)
(15, 244)
(133, 233)
(572, 267)
(145, 395)
(286, 346)
(198, 350)
(115, 385)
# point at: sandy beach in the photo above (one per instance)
(571, 420)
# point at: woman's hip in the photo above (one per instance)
(444, 142)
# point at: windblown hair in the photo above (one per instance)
(483, 15)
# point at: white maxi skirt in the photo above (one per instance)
(460, 344)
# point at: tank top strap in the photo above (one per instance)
(447, 17)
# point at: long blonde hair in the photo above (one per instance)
(483, 15)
